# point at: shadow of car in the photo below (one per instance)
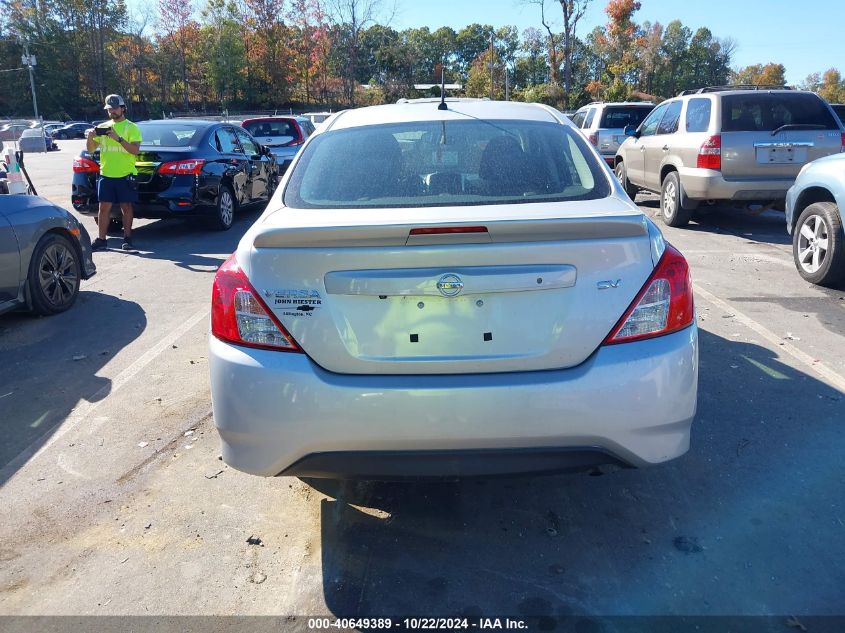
(44, 254)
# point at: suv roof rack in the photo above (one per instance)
(698, 91)
(593, 103)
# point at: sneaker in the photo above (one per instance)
(127, 243)
(99, 244)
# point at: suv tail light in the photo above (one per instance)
(188, 167)
(594, 138)
(664, 305)
(85, 166)
(710, 153)
(239, 316)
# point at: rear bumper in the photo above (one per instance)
(280, 413)
(708, 184)
(175, 201)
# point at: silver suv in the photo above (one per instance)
(726, 144)
(604, 123)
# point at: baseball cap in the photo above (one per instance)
(114, 101)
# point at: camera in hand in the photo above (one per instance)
(102, 131)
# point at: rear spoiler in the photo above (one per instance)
(496, 232)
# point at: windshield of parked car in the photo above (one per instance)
(764, 112)
(271, 128)
(438, 163)
(621, 116)
(170, 134)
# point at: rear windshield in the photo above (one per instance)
(438, 163)
(271, 128)
(620, 116)
(766, 112)
(170, 134)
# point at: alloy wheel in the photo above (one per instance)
(813, 243)
(669, 199)
(227, 208)
(57, 274)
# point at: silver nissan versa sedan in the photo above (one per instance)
(447, 290)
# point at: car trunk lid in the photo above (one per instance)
(373, 296)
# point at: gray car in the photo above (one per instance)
(724, 144)
(451, 292)
(44, 254)
(814, 207)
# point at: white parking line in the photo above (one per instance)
(87, 407)
(833, 379)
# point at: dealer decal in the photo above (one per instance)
(294, 301)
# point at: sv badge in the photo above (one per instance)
(609, 283)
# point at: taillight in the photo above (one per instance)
(239, 316)
(710, 153)
(664, 305)
(842, 148)
(187, 167)
(594, 138)
(85, 166)
(296, 143)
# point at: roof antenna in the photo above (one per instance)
(442, 105)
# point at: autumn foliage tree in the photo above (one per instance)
(210, 55)
(761, 75)
(179, 33)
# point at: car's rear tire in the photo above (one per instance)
(818, 244)
(670, 202)
(622, 176)
(225, 215)
(54, 275)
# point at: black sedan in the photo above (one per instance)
(72, 130)
(44, 254)
(187, 168)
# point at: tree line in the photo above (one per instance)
(238, 55)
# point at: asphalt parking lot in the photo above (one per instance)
(116, 503)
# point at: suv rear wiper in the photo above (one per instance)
(799, 126)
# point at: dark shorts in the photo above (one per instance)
(117, 189)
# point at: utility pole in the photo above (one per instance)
(491, 66)
(29, 61)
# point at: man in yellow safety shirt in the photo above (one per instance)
(119, 142)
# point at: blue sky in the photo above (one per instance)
(805, 36)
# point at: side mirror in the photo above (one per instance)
(630, 130)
